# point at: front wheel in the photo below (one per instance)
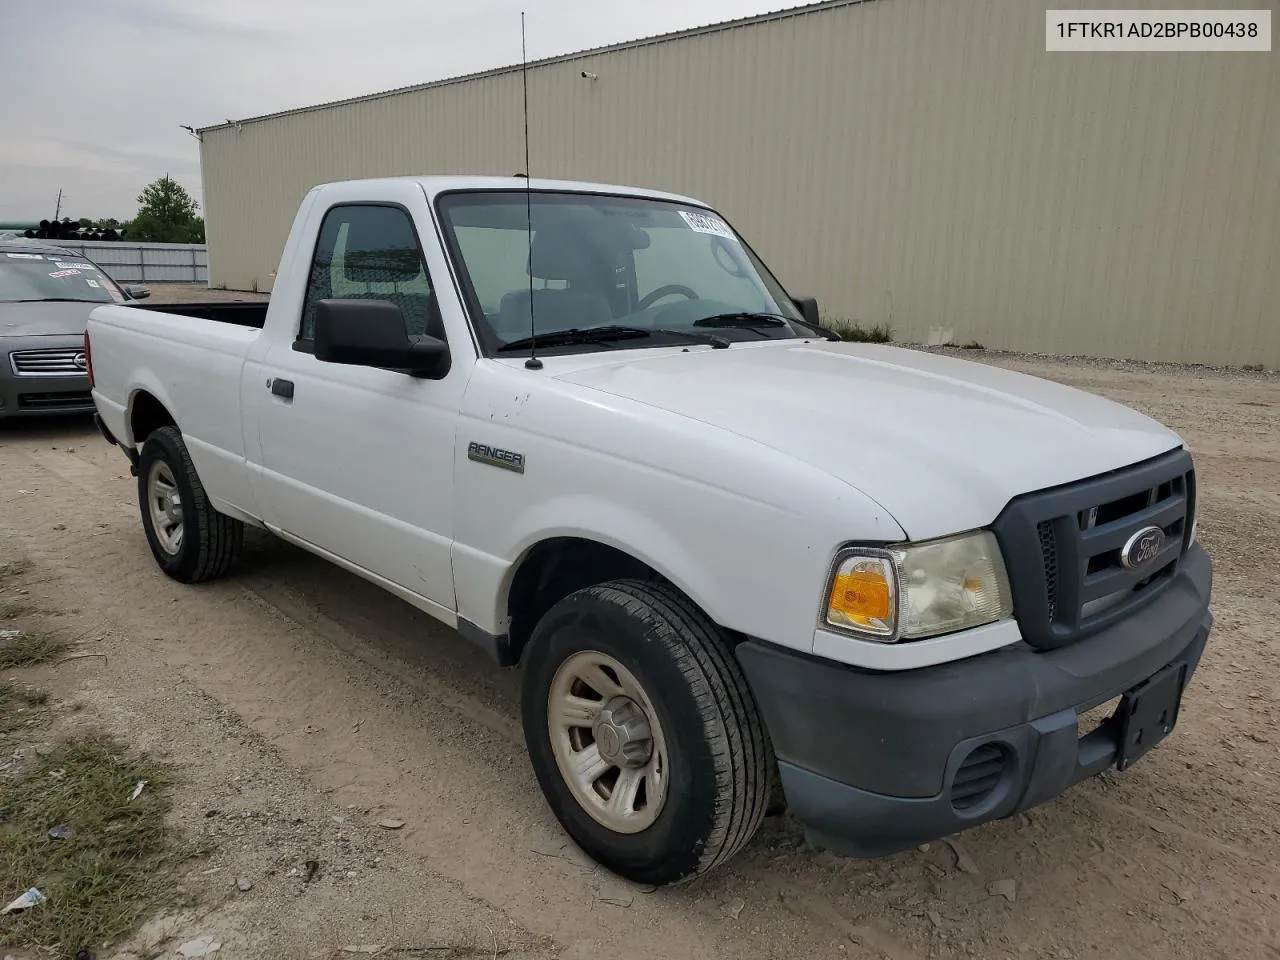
(190, 540)
(643, 733)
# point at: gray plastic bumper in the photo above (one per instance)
(872, 763)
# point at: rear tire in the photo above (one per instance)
(672, 663)
(191, 541)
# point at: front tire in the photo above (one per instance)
(191, 541)
(643, 732)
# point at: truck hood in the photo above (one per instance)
(942, 444)
(55, 318)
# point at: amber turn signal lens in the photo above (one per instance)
(863, 595)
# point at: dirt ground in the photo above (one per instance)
(304, 705)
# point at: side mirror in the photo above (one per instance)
(136, 291)
(372, 333)
(808, 307)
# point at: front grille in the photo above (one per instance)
(73, 400)
(48, 363)
(978, 776)
(1064, 547)
(1049, 552)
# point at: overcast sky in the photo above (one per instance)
(95, 91)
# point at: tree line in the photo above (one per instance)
(166, 214)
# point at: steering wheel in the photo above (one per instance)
(653, 297)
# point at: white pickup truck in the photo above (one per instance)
(742, 565)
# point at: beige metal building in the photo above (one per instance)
(920, 163)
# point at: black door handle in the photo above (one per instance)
(282, 388)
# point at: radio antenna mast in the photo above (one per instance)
(533, 363)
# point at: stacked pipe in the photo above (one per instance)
(68, 229)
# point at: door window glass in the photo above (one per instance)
(368, 252)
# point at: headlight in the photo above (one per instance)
(919, 590)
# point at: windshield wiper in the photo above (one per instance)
(607, 334)
(57, 300)
(754, 321)
(557, 338)
(824, 332)
(742, 318)
(719, 343)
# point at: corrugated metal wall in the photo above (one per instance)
(128, 262)
(921, 163)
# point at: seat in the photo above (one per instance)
(552, 309)
(559, 253)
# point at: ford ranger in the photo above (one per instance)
(743, 565)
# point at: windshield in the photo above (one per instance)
(677, 272)
(43, 276)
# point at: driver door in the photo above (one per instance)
(357, 461)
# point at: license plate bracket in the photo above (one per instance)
(1148, 713)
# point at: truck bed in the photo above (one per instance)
(242, 313)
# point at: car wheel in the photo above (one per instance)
(191, 541)
(643, 732)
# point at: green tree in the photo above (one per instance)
(166, 214)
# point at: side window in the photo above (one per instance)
(371, 253)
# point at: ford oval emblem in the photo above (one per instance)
(1142, 548)
(80, 362)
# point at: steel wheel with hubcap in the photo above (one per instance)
(165, 502)
(643, 732)
(607, 741)
(190, 540)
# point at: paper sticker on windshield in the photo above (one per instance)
(72, 266)
(707, 223)
(91, 282)
(26, 256)
(59, 274)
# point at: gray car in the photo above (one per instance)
(46, 294)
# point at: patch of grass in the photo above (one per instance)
(855, 333)
(972, 345)
(14, 703)
(14, 568)
(30, 647)
(9, 609)
(11, 694)
(116, 867)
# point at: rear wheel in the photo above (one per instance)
(643, 733)
(190, 540)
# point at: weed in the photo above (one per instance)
(14, 568)
(115, 867)
(855, 333)
(15, 702)
(28, 647)
(11, 693)
(972, 345)
(10, 609)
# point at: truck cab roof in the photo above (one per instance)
(435, 185)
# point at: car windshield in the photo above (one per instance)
(44, 276)
(676, 273)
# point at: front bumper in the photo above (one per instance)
(869, 761)
(36, 396)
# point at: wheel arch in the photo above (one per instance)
(147, 413)
(555, 566)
